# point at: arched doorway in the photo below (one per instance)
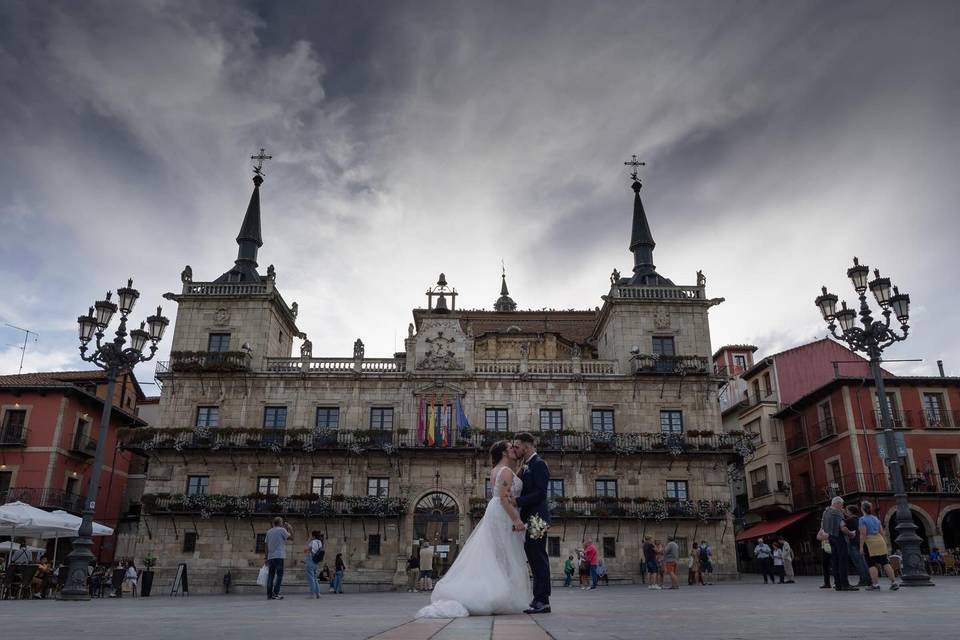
(921, 531)
(436, 518)
(951, 529)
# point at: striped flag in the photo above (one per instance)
(444, 425)
(421, 422)
(431, 424)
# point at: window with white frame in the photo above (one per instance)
(378, 487)
(677, 490)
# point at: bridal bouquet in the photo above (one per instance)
(536, 527)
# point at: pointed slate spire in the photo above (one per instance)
(641, 240)
(504, 302)
(248, 241)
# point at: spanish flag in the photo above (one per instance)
(431, 424)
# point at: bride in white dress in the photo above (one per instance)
(490, 574)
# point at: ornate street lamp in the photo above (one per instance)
(871, 339)
(115, 357)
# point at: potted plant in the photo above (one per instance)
(146, 578)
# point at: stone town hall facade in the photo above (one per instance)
(378, 453)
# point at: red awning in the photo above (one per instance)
(770, 526)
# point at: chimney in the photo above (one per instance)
(940, 366)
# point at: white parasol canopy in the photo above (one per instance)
(74, 522)
(21, 519)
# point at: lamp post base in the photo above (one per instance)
(78, 564)
(914, 569)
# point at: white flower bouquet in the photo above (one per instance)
(536, 527)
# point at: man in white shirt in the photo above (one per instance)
(276, 552)
(426, 566)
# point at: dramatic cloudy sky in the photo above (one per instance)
(781, 138)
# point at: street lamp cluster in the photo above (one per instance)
(115, 357)
(871, 339)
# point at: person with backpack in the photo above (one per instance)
(413, 571)
(706, 563)
(314, 557)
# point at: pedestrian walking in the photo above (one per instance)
(568, 571)
(778, 562)
(426, 566)
(671, 555)
(693, 566)
(413, 571)
(827, 562)
(764, 555)
(832, 527)
(658, 548)
(851, 520)
(277, 538)
(874, 547)
(583, 569)
(787, 560)
(593, 558)
(650, 558)
(314, 555)
(339, 568)
(706, 563)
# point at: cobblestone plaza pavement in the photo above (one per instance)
(744, 610)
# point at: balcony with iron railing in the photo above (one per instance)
(760, 489)
(875, 484)
(643, 508)
(901, 420)
(796, 439)
(11, 437)
(941, 419)
(825, 428)
(204, 361)
(292, 440)
(83, 445)
(307, 505)
(43, 498)
(752, 399)
(656, 364)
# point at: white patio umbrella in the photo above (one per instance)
(74, 522)
(19, 518)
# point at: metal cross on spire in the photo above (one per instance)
(260, 157)
(631, 163)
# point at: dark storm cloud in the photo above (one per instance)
(410, 138)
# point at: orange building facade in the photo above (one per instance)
(835, 446)
(49, 425)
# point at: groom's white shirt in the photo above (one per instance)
(526, 463)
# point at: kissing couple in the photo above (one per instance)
(490, 575)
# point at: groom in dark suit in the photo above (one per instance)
(533, 501)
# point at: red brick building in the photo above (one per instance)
(832, 446)
(49, 425)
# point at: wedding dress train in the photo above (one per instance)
(490, 574)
